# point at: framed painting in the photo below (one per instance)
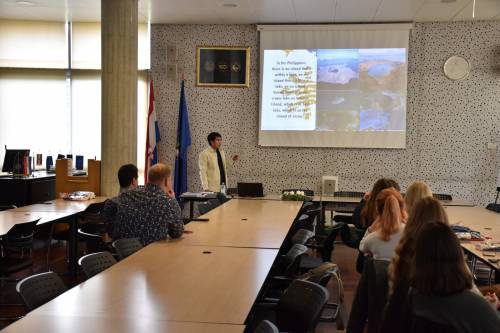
(222, 66)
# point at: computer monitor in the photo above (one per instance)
(13, 160)
(250, 190)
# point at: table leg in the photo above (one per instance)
(73, 245)
(191, 209)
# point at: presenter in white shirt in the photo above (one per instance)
(213, 164)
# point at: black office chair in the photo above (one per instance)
(287, 265)
(205, 207)
(494, 207)
(301, 236)
(19, 237)
(266, 326)
(325, 248)
(442, 197)
(38, 289)
(127, 246)
(95, 263)
(299, 308)
(90, 231)
(5, 207)
(308, 193)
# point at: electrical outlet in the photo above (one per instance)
(492, 146)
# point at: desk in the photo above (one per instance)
(60, 209)
(21, 191)
(173, 282)
(9, 218)
(244, 223)
(479, 219)
(57, 324)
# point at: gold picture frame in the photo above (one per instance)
(223, 66)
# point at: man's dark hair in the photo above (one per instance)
(212, 136)
(126, 174)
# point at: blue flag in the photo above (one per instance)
(183, 143)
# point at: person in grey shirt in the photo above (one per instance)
(149, 212)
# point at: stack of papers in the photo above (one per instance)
(205, 195)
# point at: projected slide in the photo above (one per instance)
(348, 90)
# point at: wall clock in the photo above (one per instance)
(456, 68)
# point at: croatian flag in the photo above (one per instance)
(152, 135)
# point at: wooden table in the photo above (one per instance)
(52, 211)
(9, 218)
(478, 219)
(173, 282)
(59, 205)
(57, 324)
(244, 223)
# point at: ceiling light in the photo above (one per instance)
(25, 3)
(230, 5)
(448, 1)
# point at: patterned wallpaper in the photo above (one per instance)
(448, 123)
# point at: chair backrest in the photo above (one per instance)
(266, 326)
(301, 236)
(292, 259)
(5, 207)
(38, 289)
(207, 206)
(348, 194)
(94, 208)
(300, 306)
(22, 231)
(442, 197)
(309, 193)
(493, 207)
(95, 263)
(126, 246)
(329, 243)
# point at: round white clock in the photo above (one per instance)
(456, 68)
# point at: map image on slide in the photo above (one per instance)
(361, 89)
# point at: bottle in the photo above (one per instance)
(223, 188)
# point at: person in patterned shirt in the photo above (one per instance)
(149, 212)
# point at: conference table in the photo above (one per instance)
(57, 210)
(482, 220)
(207, 281)
(244, 223)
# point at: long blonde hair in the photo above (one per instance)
(391, 212)
(425, 211)
(416, 192)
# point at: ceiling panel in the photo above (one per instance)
(356, 10)
(485, 10)
(435, 10)
(397, 10)
(317, 11)
(260, 11)
(275, 11)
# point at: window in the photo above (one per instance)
(49, 108)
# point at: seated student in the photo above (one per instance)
(366, 212)
(385, 232)
(396, 315)
(416, 192)
(150, 212)
(128, 177)
(442, 284)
